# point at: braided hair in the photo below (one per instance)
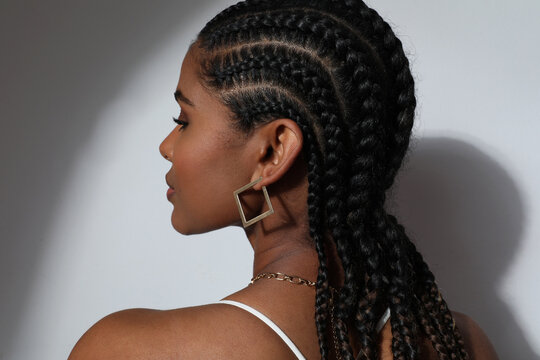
(337, 69)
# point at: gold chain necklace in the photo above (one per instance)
(300, 281)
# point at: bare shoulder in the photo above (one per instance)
(206, 331)
(476, 341)
(121, 335)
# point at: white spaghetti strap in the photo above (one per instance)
(268, 322)
(380, 324)
(383, 320)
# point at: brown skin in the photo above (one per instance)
(208, 162)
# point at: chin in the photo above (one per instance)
(181, 228)
(187, 227)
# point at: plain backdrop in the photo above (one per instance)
(86, 99)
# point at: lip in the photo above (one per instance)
(170, 193)
(168, 183)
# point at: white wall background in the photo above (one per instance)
(86, 98)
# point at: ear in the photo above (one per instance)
(279, 144)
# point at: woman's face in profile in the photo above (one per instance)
(208, 160)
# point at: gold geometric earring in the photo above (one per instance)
(258, 217)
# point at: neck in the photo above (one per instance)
(281, 242)
(290, 250)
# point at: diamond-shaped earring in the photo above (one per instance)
(258, 217)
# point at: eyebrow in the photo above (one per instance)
(178, 96)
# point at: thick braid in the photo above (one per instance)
(438, 308)
(315, 207)
(335, 186)
(432, 334)
(400, 295)
(406, 100)
(402, 321)
(393, 236)
(359, 202)
(433, 301)
(372, 116)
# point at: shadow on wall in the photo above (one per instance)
(62, 62)
(466, 215)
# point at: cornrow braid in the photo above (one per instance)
(391, 49)
(337, 69)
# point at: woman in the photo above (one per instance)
(296, 116)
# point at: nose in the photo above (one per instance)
(166, 147)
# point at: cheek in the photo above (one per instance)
(206, 177)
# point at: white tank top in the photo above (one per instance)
(280, 332)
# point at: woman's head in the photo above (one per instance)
(346, 85)
(211, 157)
(334, 73)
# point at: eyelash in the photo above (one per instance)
(180, 122)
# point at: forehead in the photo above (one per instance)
(188, 83)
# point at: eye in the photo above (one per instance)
(180, 122)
